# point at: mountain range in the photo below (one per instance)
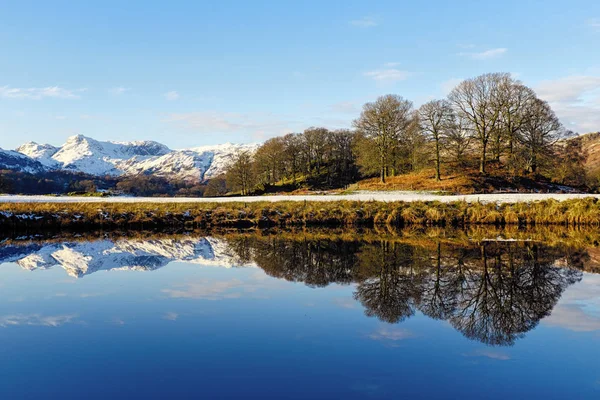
(100, 158)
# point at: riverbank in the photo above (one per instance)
(144, 215)
(392, 196)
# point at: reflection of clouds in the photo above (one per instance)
(345, 302)
(493, 354)
(36, 320)
(171, 316)
(579, 308)
(216, 290)
(574, 318)
(393, 334)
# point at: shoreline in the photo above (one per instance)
(264, 214)
(386, 197)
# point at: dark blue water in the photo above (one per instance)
(191, 317)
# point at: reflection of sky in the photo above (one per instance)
(195, 331)
(579, 308)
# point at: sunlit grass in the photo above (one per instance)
(576, 212)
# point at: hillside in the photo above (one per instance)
(591, 144)
(462, 182)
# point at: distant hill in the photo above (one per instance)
(591, 145)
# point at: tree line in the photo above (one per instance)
(490, 119)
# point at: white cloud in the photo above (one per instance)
(259, 126)
(594, 23)
(172, 95)
(575, 99)
(208, 289)
(393, 334)
(485, 55)
(39, 93)
(171, 316)
(578, 308)
(345, 107)
(387, 75)
(36, 320)
(119, 90)
(493, 354)
(568, 89)
(450, 84)
(364, 22)
(345, 302)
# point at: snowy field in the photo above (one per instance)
(361, 196)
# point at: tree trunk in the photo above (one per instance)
(383, 169)
(482, 158)
(437, 160)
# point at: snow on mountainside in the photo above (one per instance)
(222, 155)
(83, 154)
(93, 157)
(199, 163)
(19, 162)
(83, 258)
(40, 152)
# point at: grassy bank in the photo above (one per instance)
(579, 212)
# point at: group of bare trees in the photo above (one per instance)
(318, 156)
(491, 113)
(489, 118)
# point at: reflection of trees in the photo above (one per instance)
(493, 292)
(507, 291)
(389, 281)
(314, 262)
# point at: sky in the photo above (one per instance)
(191, 73)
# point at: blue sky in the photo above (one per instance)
(190, 73)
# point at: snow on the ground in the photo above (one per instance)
(366, 196)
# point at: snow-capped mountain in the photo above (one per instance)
(40, 152)
(16, 161)
(79, 259)
(83, 154)
(199, 163)
(90, 156)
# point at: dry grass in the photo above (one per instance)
(578, 212)
(422, 180)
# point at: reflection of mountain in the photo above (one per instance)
(83, 258)
(493, 292)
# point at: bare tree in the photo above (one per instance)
(540, 132)
(516, 99)
(436, 119)
(239, 173)
(315, 142)
(384, 121)
(292, 154)
(478, 102)
(458, 143)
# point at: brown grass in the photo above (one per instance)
(580, 212)
(422, 180)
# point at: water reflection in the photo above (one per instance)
(493, 292)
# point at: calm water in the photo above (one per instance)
(298, 316)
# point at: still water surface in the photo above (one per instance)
(298, 316)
